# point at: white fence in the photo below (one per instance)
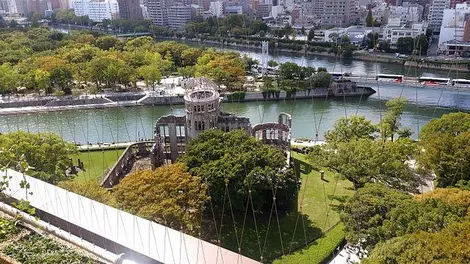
(155, 241)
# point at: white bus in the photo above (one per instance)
(461, 82)
(434, 81)
(389, 78)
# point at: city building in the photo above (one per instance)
(455, 29)
(130, 9)
(158, 11)
(436, 13)
(233, 10)
(4, 7)
(178, 16)
(407, 13)
(96, 10)
(395, 30)
(264, 10)
(339, 13)
(217, 8)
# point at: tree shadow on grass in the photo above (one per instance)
(270, 238)
(301, 167)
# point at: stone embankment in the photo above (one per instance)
(40, 104)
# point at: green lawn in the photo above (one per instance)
(315, 215)
(96, 163)
(317, 251)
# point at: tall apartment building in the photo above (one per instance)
(129, 9)
(339, 13)
(158, 11)
(436, 13)
(178, 15)
(96, 10)
(217, 8)
(453, 24)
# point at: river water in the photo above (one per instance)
(358, 67)
(310, 117)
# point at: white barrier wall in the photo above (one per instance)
(156, 241)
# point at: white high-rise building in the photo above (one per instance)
(217, 8)
(436, 13)
(96, 10)
(453, 24)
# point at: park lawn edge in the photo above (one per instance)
(319, 251)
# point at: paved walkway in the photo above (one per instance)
(347, 255)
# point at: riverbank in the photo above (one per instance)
(447, 65)
(27, 105)
(148, 98)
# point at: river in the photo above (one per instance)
(310, 117)
(357, 67)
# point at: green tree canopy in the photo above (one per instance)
(447, 246)
(47, 154)
(346, 129)
(377, 213)
(369, 19)
(244, 164)
(445, 148)
(364, 160)
(169, 195)
(390, 123)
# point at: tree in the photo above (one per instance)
(224, 68)
(140, 43)
(151, 75)
(106, 42)
(405, 45)
(42, 81)
(348, 51)
(272, 63)
(9, 79)
(384, 46)
(47, 154)
(311, 35)
(447, 246)
(369, 19)
(288, 30)
(422, 44)
(446, 151)
(371, 40)
(376, 214)
(390, 123)
(89, 188)
(352, 128)
(225, 162)
(186, 72)
(364, 213)
(321, 79)
(168, 195)
(364, 160)
(61, 77)
(189, 56)
(289, 71)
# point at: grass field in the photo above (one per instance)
(317, 251)
(289, 236)
(314, 216)
(96, 163)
